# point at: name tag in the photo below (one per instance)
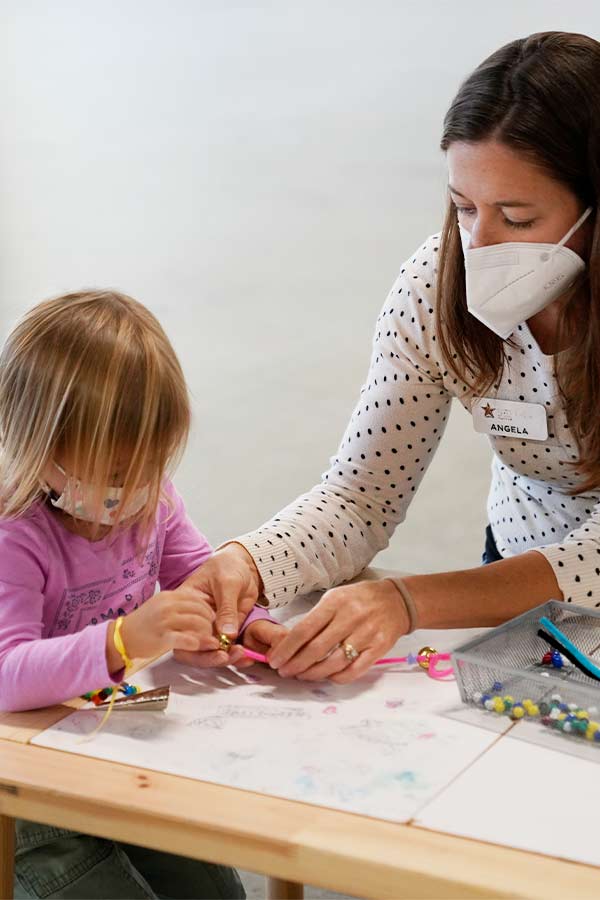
(505, 418)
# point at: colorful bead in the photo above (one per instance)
(566, 717)
(557, 660)
(547, 658)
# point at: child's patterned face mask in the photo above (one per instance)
(80, 501)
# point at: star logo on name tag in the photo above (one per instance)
(489, 411)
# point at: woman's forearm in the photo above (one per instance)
(483, 596)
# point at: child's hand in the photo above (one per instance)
(263, 635)
(170, 620)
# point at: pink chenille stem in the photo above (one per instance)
(434, 659)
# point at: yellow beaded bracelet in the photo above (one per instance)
(119, 645)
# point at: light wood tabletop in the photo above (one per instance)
(292, 843)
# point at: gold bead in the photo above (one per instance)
(426, 651)
(224, 642)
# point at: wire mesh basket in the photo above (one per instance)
(507, 662)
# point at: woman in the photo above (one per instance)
(502, 311)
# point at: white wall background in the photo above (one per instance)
(255, 173)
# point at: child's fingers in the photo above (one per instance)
(277, 637)
(197, 630)
(244, 663)
(265, 632)
(237, 655)
(209, 660)
(185, 640)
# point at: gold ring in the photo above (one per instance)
(350, 652)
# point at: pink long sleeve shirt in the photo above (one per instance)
(59, 592)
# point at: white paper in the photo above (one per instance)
(382, 747)
(524, 796)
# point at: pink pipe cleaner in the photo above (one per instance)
(432, 671)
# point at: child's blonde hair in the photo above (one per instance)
(92, 375)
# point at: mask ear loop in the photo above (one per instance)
(546, 256)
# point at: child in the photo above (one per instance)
(94, 412)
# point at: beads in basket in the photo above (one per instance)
(566, 717)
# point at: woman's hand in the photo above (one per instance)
(231, 584)
(370, 615)
(263, 636)
(231, 581)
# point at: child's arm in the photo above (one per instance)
(35, 670)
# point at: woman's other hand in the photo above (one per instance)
(369, 615)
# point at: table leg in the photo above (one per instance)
(278, 889)
(7, 857)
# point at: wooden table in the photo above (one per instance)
(292, 843)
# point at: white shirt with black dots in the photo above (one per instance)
(327, 536)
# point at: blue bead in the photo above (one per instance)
(497, 686)
(563, 707)
(129, 690)
(597, 737)
(484, 698)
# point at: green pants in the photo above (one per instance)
(54, 862)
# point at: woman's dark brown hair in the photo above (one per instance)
(540, 96)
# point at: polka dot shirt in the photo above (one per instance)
(328, 535)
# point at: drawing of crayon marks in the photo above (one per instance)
(259, 712)
(388, 736)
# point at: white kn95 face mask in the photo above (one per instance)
(508, 283)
